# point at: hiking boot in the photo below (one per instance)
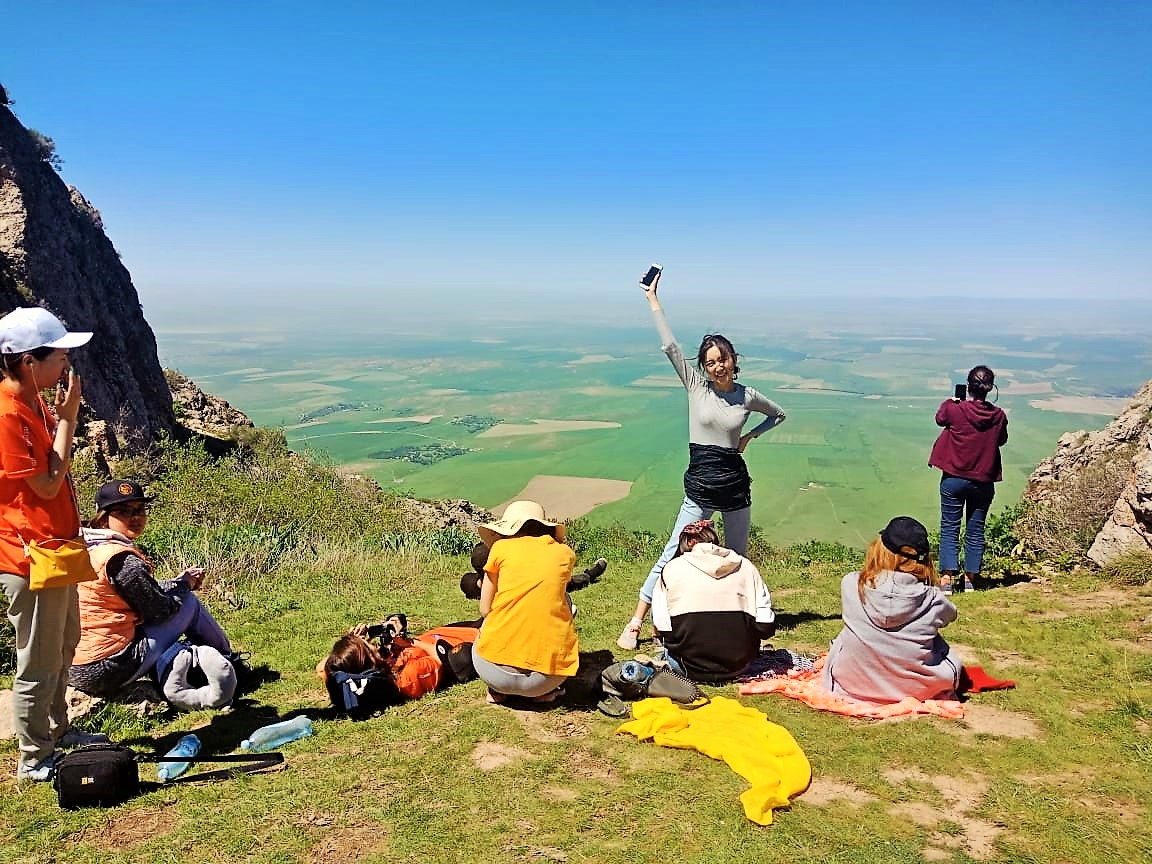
(630, 638)
(597, 569)
(79, 738)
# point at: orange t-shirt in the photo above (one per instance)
(530, 625)
(25, 442)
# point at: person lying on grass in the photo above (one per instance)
(376, 666)
(710, 607)
(893, 610)
(527, 645)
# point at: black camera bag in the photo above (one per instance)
(98, 775)
(105, 775)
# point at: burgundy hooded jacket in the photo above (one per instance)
(969, 446)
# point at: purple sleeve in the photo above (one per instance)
(942, 418)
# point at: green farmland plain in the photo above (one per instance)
(853, 452)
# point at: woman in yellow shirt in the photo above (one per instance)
(527, 645)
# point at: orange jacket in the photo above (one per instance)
(416, 666)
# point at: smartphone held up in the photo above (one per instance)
(961, 392)
(648, 278)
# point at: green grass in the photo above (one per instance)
(450, 778)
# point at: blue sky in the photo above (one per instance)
(426, 153)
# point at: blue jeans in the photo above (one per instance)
(737, 523)
(192, 619)
(968, 500)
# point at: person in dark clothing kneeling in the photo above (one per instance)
(710, 607)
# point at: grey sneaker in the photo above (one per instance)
(79, 738)
(40, 772)
(675, 686)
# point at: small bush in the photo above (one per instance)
(1062, 527)
(1133, 567)
(822, 552)
(47, 148)
(614, 542)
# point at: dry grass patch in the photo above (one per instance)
(489, 755)
(986, 720)
(828, 791)
(345, 843)
(127, 829)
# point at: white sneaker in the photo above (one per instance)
(79, 738)
(41, 772)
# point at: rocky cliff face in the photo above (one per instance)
(54, 253)
(1109, 470)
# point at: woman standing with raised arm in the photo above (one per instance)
(717, 479)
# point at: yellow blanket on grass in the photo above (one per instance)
(763, 753)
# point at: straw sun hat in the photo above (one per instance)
(515, 515)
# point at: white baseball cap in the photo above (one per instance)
(31, 327)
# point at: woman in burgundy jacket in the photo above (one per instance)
(968, 455)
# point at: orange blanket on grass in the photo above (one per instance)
(805, 685)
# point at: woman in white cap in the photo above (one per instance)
(38, 502)
(527, 645)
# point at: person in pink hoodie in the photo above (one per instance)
(710, 607)
(891, 647)
(968, 455)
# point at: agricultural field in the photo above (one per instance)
(447, 414)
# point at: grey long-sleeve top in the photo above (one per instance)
(715, 417)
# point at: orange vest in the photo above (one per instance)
(107, 622)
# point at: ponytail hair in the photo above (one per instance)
(697, 532)
(981, 380)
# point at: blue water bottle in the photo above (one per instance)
(277, 734)
(186, 749)
(635, 673)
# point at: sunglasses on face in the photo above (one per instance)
(138, 510)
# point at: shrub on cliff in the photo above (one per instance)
(47, 148)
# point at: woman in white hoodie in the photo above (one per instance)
(710, 607)
(893, 609)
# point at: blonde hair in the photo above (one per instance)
(880, 558)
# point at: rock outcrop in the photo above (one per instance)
(203, 413)
(54, 253)
(1109, 474)
(1130, 525)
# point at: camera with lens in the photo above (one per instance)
(388, 630)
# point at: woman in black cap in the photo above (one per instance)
(893, 609)
(130, 623)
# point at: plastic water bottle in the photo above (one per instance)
(277, 734)
(186, 749)
(635, 673)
